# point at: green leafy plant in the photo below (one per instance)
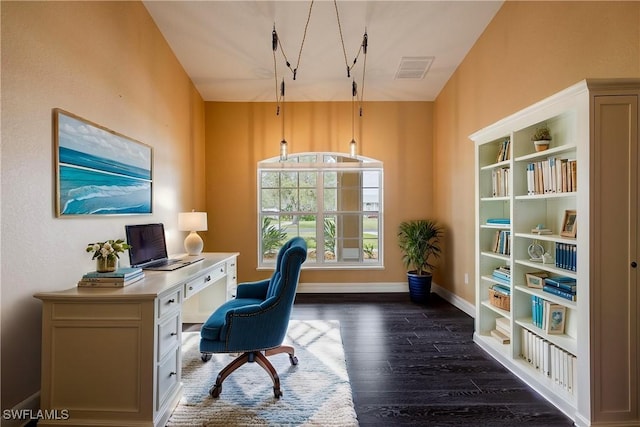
(272, 236)
(369, 250)
(419, 241)
(542, 134)
(330, 235)
(107, 250)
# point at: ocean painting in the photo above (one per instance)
(99, 171)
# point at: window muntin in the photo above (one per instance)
(331, 200)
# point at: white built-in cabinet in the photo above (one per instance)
(591, 371)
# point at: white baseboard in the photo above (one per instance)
(22, 413)
(383, 287)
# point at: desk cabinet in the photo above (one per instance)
(112, 357)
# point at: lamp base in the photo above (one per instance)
(193, 244)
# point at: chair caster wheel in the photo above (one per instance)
(215, 390)
(205, 357)
(277, 393)
(293, 360)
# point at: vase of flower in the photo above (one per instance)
(106, 254)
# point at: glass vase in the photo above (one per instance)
(106, 265)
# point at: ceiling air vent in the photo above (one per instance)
(413, 67)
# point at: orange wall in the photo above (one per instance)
(238, 135)
(529, 51)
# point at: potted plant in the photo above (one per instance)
(541, 138)
(420, 244)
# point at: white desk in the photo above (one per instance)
(112, 357)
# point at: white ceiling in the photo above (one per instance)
(226, 46)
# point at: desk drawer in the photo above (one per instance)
(196, 285)
(168, 335)
(169, 302)
(168, 377)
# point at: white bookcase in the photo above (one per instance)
(561, 367)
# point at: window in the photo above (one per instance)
(331, 200)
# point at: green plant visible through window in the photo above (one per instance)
(330, 235)
(272, 237)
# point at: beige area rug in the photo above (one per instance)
(316, 391)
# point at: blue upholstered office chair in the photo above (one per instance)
(255, 322)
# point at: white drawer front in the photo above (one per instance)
(196, 285)
(168, 335)
(168, 376)
(168, 303)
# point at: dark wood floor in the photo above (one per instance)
(417, 365)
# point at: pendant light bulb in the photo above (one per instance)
(352, 148)
(283, 150)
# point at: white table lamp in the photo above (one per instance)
(193, 222)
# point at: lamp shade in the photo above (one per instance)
(192, 221)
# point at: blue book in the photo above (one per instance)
(566, 283)
(502, 289)
(571, 296)
(121, 273)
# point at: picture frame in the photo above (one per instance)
(536, 279)
(569, 224)
(556, 316)
(99, 171)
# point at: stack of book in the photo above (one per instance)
(502, 332)
(502, 274)
(562, 286)
(115, 279)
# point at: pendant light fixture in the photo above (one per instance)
(355, 96)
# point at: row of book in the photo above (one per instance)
(548, 316)
(562, 286)
(502, 242)
(120, 278)
(566, 256)
(500, 182)
(504, 152)
(551, 360)
(553, 175)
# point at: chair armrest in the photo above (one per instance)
(257, 290)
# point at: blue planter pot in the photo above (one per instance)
(419, 287)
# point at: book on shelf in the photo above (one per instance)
(120, 273)
(502, 242)
(501, 337)
(502, 325)
(571, 296)
(549, 360)
(504, 151)
(566, 256)
(552, 175)
(499, 221)
(568, 284)
(500, 182)
(504, 290)
(502, 274)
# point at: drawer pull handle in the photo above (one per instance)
(190, 288)
(171, 301)
(207, 279)
(173, 334)
(172, 374)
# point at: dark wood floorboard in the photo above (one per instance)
(417, 365)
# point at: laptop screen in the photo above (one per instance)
(147, 243)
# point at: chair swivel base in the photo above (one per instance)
(260, 359)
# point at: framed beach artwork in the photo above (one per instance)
(99, 171)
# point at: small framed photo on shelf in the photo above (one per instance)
(569, 223)
(536, 279)
(556, 314)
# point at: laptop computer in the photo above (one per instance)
(149, 249)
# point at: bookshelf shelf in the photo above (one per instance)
(581, 171)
